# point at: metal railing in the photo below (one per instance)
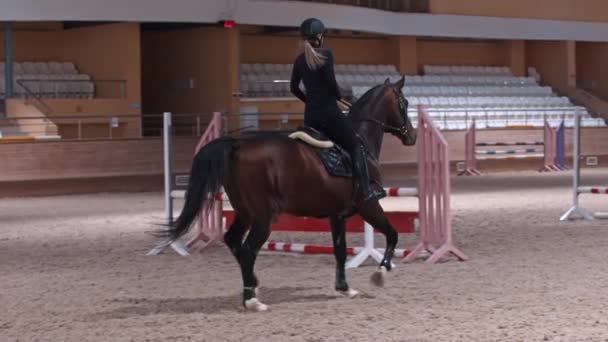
(75, 127)
(411, 6)
(42, 89)
(88, 127)
(497, 117)
(73, 88)
(446, 118)
(184, 124)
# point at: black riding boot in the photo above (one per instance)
(361, 175)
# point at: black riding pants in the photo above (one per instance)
(336, 126)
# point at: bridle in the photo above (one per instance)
(402, 131)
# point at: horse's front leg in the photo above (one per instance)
(338, 233)
(374, 215)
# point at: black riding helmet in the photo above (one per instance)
(311, 27)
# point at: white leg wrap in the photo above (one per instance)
(254, 304)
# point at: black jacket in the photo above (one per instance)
(322, 90)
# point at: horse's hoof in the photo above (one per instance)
(350, 293)
(255, 305)
(378, 277)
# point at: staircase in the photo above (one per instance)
(22, 121)
(594, 104)
(9, 129)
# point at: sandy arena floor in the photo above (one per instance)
(72, 268)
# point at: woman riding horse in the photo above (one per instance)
(315, 66)
(265, 174)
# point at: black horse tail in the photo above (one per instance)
(209, 167)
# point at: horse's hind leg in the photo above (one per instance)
(234, 236)
(338, 233)
(260, 230)
(374, 215)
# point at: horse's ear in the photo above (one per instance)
(387, 81)
(400, 83)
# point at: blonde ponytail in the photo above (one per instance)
(314, 59)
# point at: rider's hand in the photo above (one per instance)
(344, 105)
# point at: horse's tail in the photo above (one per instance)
(209, 167)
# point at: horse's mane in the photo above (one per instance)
(359, 107)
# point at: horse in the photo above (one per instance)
(265, 174)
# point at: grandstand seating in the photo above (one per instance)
(48, 80)
(272, 80)
(454, 94)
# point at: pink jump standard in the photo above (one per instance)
(433, 193)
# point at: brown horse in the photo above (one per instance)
(267, 173)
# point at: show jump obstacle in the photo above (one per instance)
(551, 149)
(577, 189)
(206, 218)
(433, 194)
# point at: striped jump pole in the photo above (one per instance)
(361, 254)
(577, 189)
(321, 249)
(494, 152)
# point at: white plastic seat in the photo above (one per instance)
(360, 80)
(361, 69)
(56, 68)
(278, 89)
(256, 89)
(69, 68)
(392, 69)
(370, 80)
(374, 69)
(268, 69)
(379, 79)
(340, 68)
(257, 68)
(245, 68)
(42, 68)
(246, 89)
(28, 68)
(349, 80)
(17, 69)
(352, 69)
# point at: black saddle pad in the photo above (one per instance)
(336, 160)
